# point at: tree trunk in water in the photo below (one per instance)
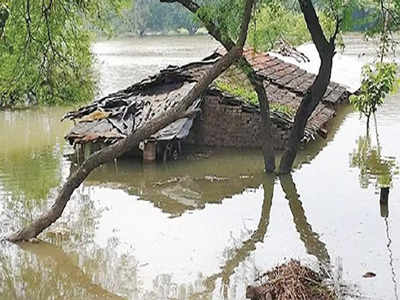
(326, 51)
(255, 80)
(116, 150)
(266, 125)
(307, 106)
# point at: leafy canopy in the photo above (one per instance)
(45, 49)
(377, 82)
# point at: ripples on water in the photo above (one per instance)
(202, 227)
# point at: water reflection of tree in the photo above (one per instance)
(31, 173)
(44, 266)
(31, 153)
(314, 246)
(373, 166)
(47, 272)
(72, 265)
(27, 177)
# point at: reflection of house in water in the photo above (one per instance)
(187, 184)
(225, 120)
(207, 175)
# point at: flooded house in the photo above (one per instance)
(227, 118)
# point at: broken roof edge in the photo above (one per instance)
(178, 73)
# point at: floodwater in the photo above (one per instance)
(205, 226)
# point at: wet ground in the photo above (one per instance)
(205, 226)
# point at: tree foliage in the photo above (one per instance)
(45, 50)
(372, 164)
(275, 21)
(380, 79)
(377, 82)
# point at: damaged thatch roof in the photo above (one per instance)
(114, 116)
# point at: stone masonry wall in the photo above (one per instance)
(228, 125)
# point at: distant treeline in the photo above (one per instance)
(153, 17)
(147, 17)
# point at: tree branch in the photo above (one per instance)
(326, 51)
(313, 25)
(210, 26)
(337, 30)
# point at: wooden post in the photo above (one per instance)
(383, 201)
(149, 151)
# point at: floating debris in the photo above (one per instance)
(215, 178)
(369, 275)
(169, 181)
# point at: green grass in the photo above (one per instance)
(250, 96)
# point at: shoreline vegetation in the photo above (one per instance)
(128, 34)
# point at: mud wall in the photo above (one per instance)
(228, 125)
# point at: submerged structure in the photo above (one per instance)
(225, 119)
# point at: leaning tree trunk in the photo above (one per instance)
(116, 150)
(326, 51)
(255, 80)
(306, 108)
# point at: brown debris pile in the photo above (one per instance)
(291, 281)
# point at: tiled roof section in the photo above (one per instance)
(290, 77)
(286, 84)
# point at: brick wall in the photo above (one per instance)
(227, 125)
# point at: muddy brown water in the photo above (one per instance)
(205, 226)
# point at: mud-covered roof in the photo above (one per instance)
(113, 117)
